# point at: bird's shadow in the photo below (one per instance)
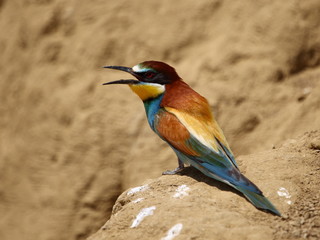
(200, 177)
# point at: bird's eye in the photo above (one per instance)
(149, 74)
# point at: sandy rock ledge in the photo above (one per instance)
(192, 206)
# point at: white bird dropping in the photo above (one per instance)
(173, 232)
(141, 215)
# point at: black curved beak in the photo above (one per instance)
(122, 81)
(125, 69)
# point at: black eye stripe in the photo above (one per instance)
(153, 77)
(148, 74)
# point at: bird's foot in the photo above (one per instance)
(173, 172)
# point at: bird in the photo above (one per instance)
(183, 119)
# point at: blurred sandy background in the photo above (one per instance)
(69, 146)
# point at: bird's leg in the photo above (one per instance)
(178, 169)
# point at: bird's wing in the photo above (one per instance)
(194, 137)
(208, 133)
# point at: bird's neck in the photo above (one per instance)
(151, 94)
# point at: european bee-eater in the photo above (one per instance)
(182, 117)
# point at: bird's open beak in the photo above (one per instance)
(122, 81)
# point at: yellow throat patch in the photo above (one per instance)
(148, 90)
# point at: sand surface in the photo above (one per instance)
(70, 146)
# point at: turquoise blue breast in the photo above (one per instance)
(152, 107)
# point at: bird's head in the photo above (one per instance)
(151, 78)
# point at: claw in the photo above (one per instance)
(175, 171)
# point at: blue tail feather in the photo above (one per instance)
(259, 201)
(232, 177)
